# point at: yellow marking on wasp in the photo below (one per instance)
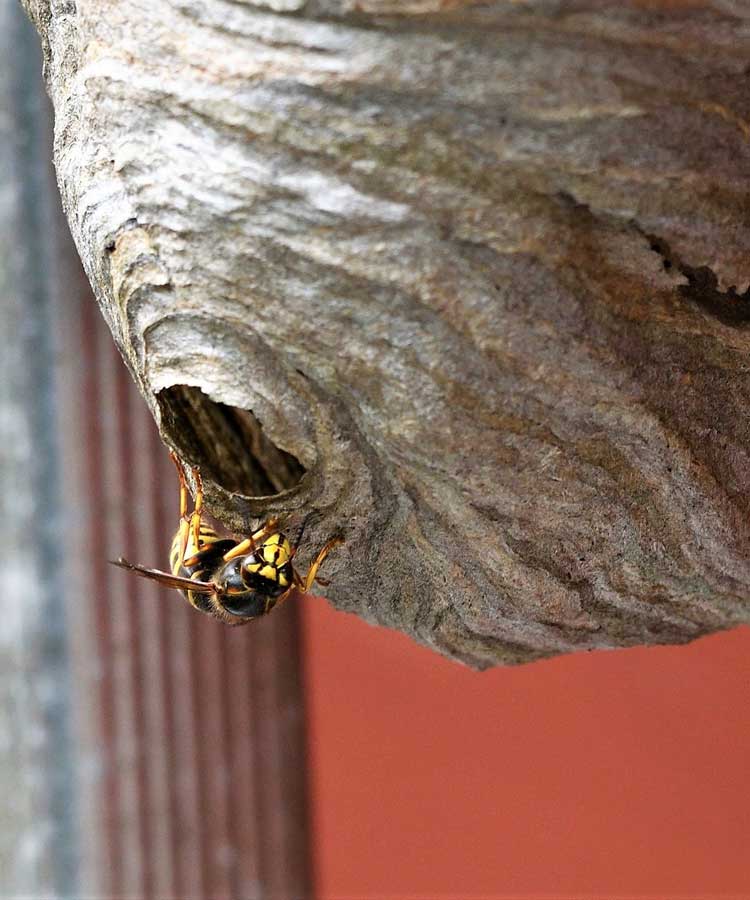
(277, 552)
(174, 556)
(268, 572)
(283, 580)
(285, 554)
(253, 567)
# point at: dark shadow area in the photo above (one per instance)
(228, 443)
(730, 307)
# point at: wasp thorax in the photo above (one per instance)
(269, 567)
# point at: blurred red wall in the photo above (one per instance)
(605, 775)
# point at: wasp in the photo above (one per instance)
(234, 581)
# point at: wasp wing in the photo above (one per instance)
(174, 581)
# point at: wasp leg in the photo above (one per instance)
(190, 524)
(279, 600)
(183, 483)
(250, 543)
(184, 518)
(312, 572)
(195, 518)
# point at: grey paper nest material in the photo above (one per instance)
(465, 281)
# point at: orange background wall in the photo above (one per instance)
(608, 774)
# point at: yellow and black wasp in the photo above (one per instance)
(230, 580)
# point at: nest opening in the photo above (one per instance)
(228, 443)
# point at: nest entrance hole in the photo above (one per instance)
(228, 443)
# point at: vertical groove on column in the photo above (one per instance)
(244, 768)
(158, 741)
(94, 546)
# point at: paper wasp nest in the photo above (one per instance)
(467, 281)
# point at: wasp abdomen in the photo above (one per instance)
(203, 565)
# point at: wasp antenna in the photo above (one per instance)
(298, 539)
